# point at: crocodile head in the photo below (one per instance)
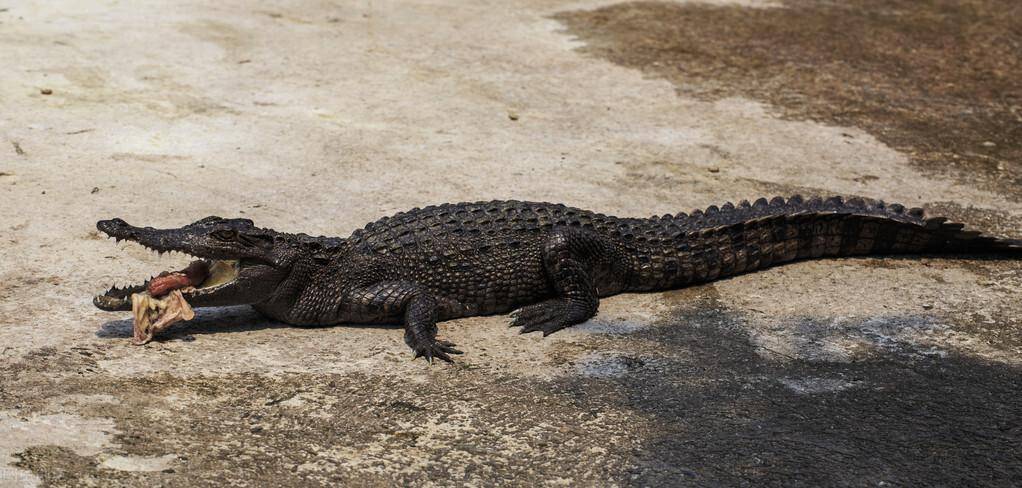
(240, 264)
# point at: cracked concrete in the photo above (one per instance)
(317, 117)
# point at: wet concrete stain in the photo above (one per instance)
(936, 79)
(728, 415)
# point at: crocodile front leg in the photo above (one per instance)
(409, 303)
(420, 329)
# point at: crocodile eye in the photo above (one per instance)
(225, 235)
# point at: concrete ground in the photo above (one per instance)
(319, 116)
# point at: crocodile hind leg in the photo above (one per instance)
(568, 259)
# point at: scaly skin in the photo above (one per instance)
(549, 263)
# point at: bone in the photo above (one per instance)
(154, 315)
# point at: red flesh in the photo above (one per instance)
(193, 275)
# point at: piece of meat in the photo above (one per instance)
(161, 285)
(193, 275)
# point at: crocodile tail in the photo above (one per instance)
(734, 239)
(955, 238)
(841, 227)
(920, 234)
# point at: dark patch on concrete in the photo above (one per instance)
(936, 79)
(356, 430)
(725, 417)
(55, 465)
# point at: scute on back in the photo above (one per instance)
(492, 219)
(478, 220)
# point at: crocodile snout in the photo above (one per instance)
(116, 228)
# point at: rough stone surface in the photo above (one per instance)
(318, 117)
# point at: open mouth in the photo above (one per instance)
(164, 299)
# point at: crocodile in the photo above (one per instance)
(548, 264)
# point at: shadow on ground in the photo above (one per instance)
(728, 415)
(207, 321)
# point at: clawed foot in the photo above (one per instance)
(435, 349)
(549, 317)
